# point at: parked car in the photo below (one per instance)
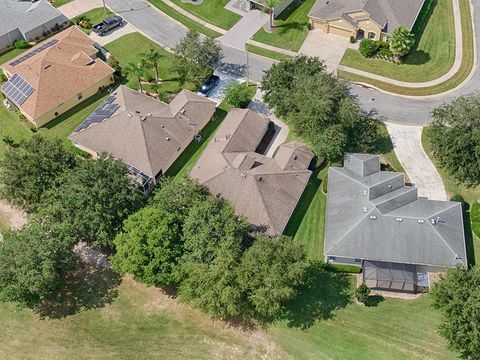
(108, 24)
(209, 85)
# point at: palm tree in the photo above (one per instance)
(152, 57)
(401, 42)
(137, 70)
(270, 6)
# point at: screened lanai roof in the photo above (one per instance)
(390, 276)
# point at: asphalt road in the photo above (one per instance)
(168, 32)
(415, 111)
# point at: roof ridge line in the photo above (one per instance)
(265, 206)
(351, 229)
(443, 240)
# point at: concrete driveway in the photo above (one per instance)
(113, 34)
(77, 7)
(407, 142)
(328, 47)
(218, 93)
(243, 30)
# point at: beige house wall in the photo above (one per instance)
(337, 27)
(68, 104)
(370, 26)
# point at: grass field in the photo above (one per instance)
(212, 11)
(431, 57)
(470, 194)
(291, 27)
(457, 79)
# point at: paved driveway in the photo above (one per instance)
(218, 93)
(78, 7)
(243, 30)
(328, 47)
(407, 141)
(113, 34)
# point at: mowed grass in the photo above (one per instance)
(10, 54)
(454, 81)
(212, 11)
(58, 3)
(291, 27)
(128, 49)
(432, 56)
(141, 323)
(190, 24)
(470, 194)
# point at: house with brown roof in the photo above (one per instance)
(265, 190)
(146, 134)
(372, 19)
(55, 75)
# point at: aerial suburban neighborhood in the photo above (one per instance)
(239, 179)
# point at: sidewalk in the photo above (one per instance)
(447, 76)
(407, 142)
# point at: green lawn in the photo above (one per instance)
(58, 3)
(432, 56)
(291, 27)
(212, 11)
(470, 194)
(96, 15)
(159, 4)
(128, 49)
(457, 79)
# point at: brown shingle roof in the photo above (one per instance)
(60, 71)
(146, 133)
(265, 190)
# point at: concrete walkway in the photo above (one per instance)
(78, 7)
(453, 70)
(281, 129)
(407, 142)
(243, 30)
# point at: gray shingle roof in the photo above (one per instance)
(377, 217)
(388, 14)
(265, 190)
(144, 132)
(26, 16)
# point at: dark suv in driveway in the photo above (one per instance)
(108, 24)
(209, 85)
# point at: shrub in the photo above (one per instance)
(340, 268)
(475, 218)
(368, 48)
(384, 49)
(352, 39)
(362, 293)
(237, 95)
(325, 183)
(21, 44)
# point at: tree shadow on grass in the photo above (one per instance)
(323, 293)
(374, 300)
(87, 287)
(417, 57)
(467, 226)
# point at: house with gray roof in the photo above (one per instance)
(375, 221)
(28, 20)
(146, 134)
(265, 190)
(372, 19)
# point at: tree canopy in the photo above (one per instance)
(270, 272)
(455, 137)
(28, 171)
(458, 298)
(33, 261)
(401, 42)
(329, 118)
(93, 200)
(196, 57)
(149, 247)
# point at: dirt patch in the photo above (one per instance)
(10, 217)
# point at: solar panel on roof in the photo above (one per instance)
(102, 112)
(17, 89)
(34, 52)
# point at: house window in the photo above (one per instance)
(79, 96)
(358, 260)
(333, 258)
(371, 35)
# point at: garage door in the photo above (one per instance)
(340, 31)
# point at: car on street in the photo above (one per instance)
(209, 85)
(107, 25)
